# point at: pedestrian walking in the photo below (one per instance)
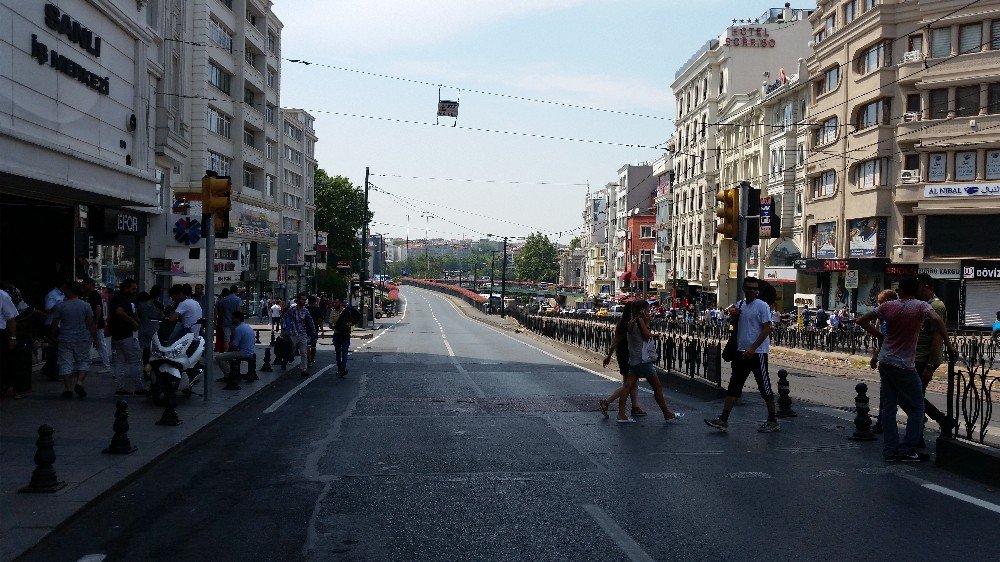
(640, 363)
(123, 324)
(8, 343)
(275, 316)
(928, 356)
(346, 318)
(241, 345)
(74, 328)
(317, 315)
(900, 382)
(752, 317)
(52, 298)
(619, 348)
(884, 296)
(96, 302)
(298, 325)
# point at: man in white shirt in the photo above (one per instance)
(753, 318)
(8, 341)
(53, 298)
(187, 313)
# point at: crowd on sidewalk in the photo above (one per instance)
(908, 323)
(78, 321)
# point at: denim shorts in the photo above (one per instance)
(73, 356)
(642, 370)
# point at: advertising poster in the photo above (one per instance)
(867, 237)
(965, 166)
(993, 164)
(824, 242)
(254, 222)
(938, 168)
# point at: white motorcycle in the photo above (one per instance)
(175, 367)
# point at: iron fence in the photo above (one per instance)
(971, 384)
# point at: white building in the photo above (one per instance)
(663, 171)
(298, 187)
(78, 179)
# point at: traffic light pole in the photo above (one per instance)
(208, 220)
(503, 281)
(741, 263)
(364, 259)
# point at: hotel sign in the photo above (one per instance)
(749, 37)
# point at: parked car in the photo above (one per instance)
(602, 313)
(616, 310)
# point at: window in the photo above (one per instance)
(872, 114)
(293, 131)
(272, 42)
(270, 78)
(967, 101)
(830, 80)
(218, 77)
(801, 158)
(911, 162)
(645, 232)
(250, 57)
(248, 179)
(830, 24)
(292, 201)
(916, 43)
(913, 103)
(970, 38)
(292, 178)
(995, 35)
(250, 98)
(291, 225)
(872, 173)
(937, 167)
(874, 58)
(269, 111)
(252, 18)
(820, 36)
(827, 132)
(941, 42)
(219, 122)
(824, 185)
(993, 97)
(293, 155)
(850, 11)
(269, 186)
(869, 4)
(938, 102)
(219, 163)
(269, 151)
(220, 35)
(965, 166)
(249, 138)
(910, 226)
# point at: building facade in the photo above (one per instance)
(633, 194)
(663, 280)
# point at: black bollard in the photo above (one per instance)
(43, 478)
(256, 336)
(251, 375)
(169, 385)
(233, 380)
(784, 400)
(863, 421)
(266, 367)
(120, 443)
(272, 337)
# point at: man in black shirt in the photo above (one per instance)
(316, 311)
(123, 324)
(96, 302)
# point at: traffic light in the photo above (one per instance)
(753, 210)
(216, 200)
(729, 212)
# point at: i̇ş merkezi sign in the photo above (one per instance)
(63, 24)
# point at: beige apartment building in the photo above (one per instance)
(903, 170)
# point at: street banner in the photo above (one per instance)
(448, 108)
(766, 204)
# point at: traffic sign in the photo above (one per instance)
(851, 279)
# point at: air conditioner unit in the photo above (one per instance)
(912, 56)
(910, 176)
(911, 116)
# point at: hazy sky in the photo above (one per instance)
(608, 54)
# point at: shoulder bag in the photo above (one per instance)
(731, 351)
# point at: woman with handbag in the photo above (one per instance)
(619, 348)
(642, 355)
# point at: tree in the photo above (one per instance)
(340, 210)
(537, 260)
(574, 243)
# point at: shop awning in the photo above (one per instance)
(626, 277)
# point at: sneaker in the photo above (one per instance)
(768, 427)
(912, 457)
(718, 423)
(602, 405)
(122, 392)
(638, 412)
(80, 391)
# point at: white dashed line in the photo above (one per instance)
(952, 493)
(627, 544)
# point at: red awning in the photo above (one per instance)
(626, 277)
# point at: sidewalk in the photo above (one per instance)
(83, 428)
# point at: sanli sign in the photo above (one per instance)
(748, 37)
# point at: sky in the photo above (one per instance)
(374, 89)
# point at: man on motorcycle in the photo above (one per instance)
(187, 313)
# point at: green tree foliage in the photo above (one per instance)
(340, 210)
(574, 243)
(537, 260)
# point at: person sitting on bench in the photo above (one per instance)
(241, 346)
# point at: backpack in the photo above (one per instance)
(283, 348)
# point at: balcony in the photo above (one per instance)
(254, 77)
(255, 37)
(911, 69)
(253, 156)
(252, 116)
(971, 130)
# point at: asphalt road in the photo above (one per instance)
(453, 440)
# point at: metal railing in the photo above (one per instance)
(971, 384)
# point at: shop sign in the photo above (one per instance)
(766, 206)
(254, 222)
(938, 167)
(779, 274)
(124, 222)
(992, 164)
(806, 299)
(834, 265)
(968, 190)
(63, 24)
(902, 270)
(851, 279)
(941, 272)
(824, 242)
(868, 237)
(749, 37)
(965, 166)
(980, 269)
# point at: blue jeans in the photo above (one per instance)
(900, 387)
(341, 346)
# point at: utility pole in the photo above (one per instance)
(503, 281)
(208, 220)
(427, 242)
(407, 262)
(364, 259)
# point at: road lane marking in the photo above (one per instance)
(952, 493)
(686, 453)
(628, 545)
(270, 409)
